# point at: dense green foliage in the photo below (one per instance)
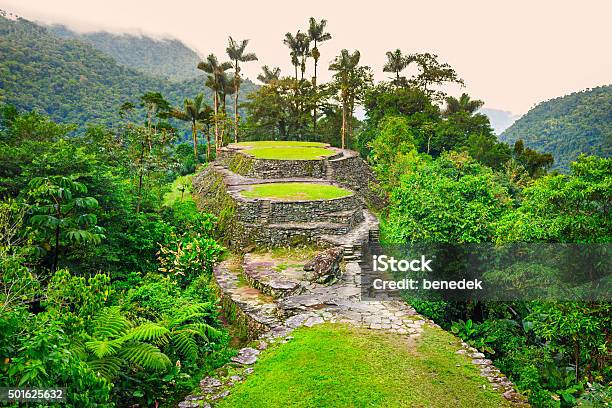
(567, 126)
(556, 352)
(105, 282)
(73, 82)
(163, 58)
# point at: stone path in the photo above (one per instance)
(308, 304)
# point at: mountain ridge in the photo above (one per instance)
(566, 126)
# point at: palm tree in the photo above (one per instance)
(235, 52)
(303, 50)
(463, 104)
(350, 80)
(269, 74)
(396, 62)
(293, 43)
(215, 70)
(317, 34)
(194, 111)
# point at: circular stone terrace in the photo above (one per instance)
(285, 150)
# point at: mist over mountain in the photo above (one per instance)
(73, 81)
(500, 119)
(567, 126)
(168, 58)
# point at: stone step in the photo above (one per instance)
(260, 309)
(264, 277)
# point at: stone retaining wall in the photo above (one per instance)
(354, 173)
(273, 212)
(241, 163)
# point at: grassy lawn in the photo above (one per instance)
(343, 366)
(289, 153)
(295, 191)
(273, 143)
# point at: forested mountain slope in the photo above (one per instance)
(567, 126)
(72, 81)
(165, 57)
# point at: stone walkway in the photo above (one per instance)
(307, 304)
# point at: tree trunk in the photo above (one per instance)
(139, 191)
(216, 110)
(343, 123)
(237, 88)
(208, 144)
(194, 134)
(56, 249)
(314, 86)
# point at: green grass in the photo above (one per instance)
(343, 366)
(274, 143)
(289, 153)
(295, 191)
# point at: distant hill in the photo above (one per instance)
(72, 81)
(167, 58)
(567, 126)
(500, 119)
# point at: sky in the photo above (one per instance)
(511, 54)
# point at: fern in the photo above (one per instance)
(104, 348)
(148, 332)
(107, 367)
(145, 355)
(110, 323)
(206, 331)
(191, 313)
(186, 344)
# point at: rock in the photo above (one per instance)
(210, 382)
(195, 397)
(246, 356)
(188, 404)
(313, 320)
(262, 345)
(220, 395)
(236, 378)
(325, 267)
(248, 371)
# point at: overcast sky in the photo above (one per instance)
(511, 54)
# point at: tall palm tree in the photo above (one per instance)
(463, 104)
(269, 74)
(396, 62)
(194, 111)
(317, 34)
(293, 43)
(215, 70)
(236, 52)
(350, 80)
(303, 50)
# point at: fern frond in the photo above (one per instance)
(107, 367)
(147, 332)
(110, 323)
(145, 355)
(185, 343)
(191, 313)
(206, 331)
(104, 348)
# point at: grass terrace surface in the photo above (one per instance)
(295, 191)
(342, 366)
(289, 153)
(274, 143)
